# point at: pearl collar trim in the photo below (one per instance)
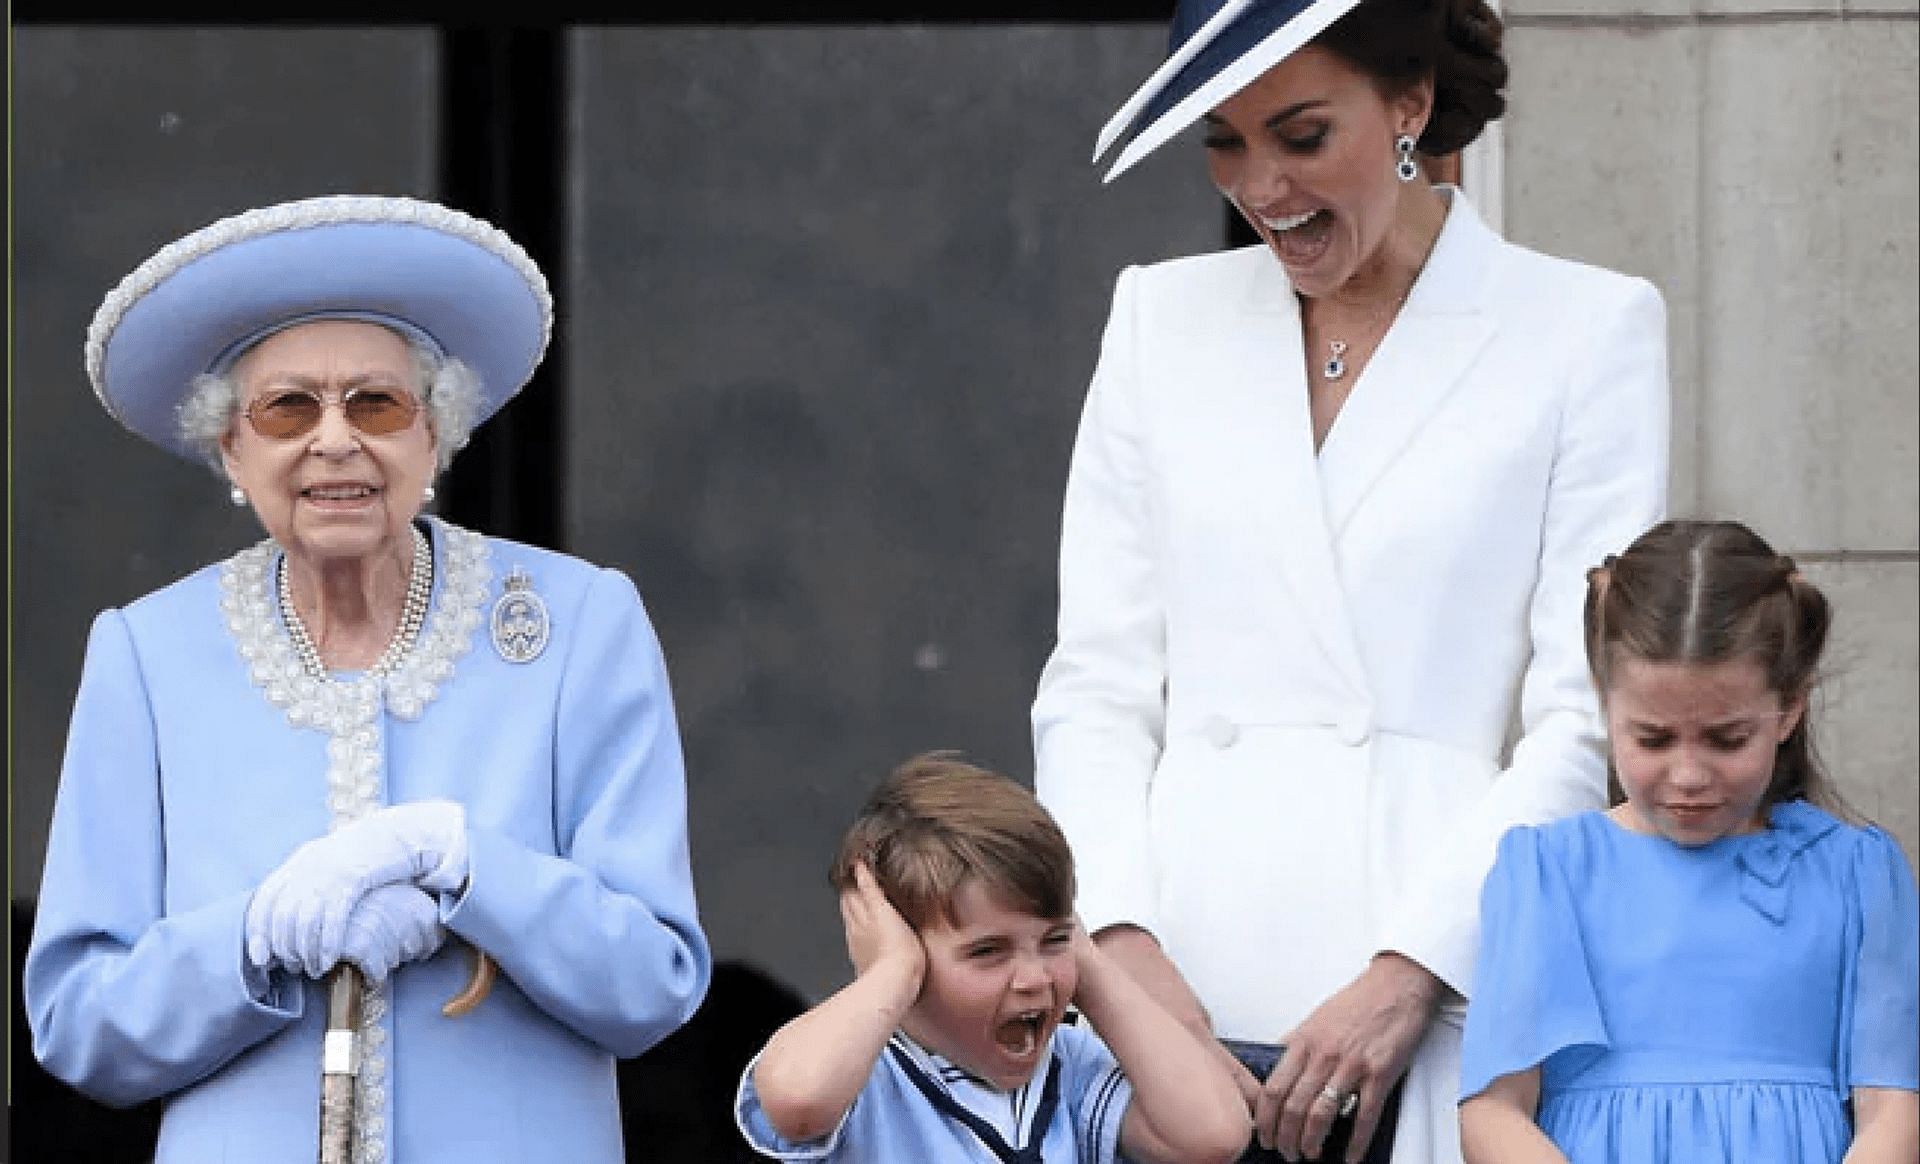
(348, 712)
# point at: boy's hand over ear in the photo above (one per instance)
(1088, 959)
(876, 933)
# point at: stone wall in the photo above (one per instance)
(1761, 164)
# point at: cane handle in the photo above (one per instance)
(477, 987)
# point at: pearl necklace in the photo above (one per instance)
(413, 613)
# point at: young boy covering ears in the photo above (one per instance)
(951, 1044)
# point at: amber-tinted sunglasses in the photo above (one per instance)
(294, 412)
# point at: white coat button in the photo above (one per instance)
(1354, 728)
(1221, 732)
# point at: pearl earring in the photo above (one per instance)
(427, 495)
(238, 496)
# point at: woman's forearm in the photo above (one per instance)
(1135, 951)
(542, 917)
(129, 1023)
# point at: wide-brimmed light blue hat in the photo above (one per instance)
(1215, 48)
(454, 283)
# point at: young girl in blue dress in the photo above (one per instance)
(1717, 968)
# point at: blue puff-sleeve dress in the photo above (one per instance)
(1716, 1003)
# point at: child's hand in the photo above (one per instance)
(877, 936)
(1086, 955)
(1091, 964)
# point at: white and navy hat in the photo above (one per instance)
(455, 284)
(1215, 49)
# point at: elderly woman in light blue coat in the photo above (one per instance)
(367, 734)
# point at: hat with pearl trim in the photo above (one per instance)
(449, 281)
(1215, 48)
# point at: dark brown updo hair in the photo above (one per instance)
(1710, 592)
(1456, 43)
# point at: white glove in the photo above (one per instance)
(298, 916)
(392, 925)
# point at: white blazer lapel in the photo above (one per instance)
(1438, 335)
(1268, 431)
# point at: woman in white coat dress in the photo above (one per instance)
(1324, 539)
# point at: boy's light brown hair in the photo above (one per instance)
(937, 821)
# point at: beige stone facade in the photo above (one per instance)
(1762, 165)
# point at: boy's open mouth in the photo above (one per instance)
(1019, 1036)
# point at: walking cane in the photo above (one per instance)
(340, 1064)
(340, 1051)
